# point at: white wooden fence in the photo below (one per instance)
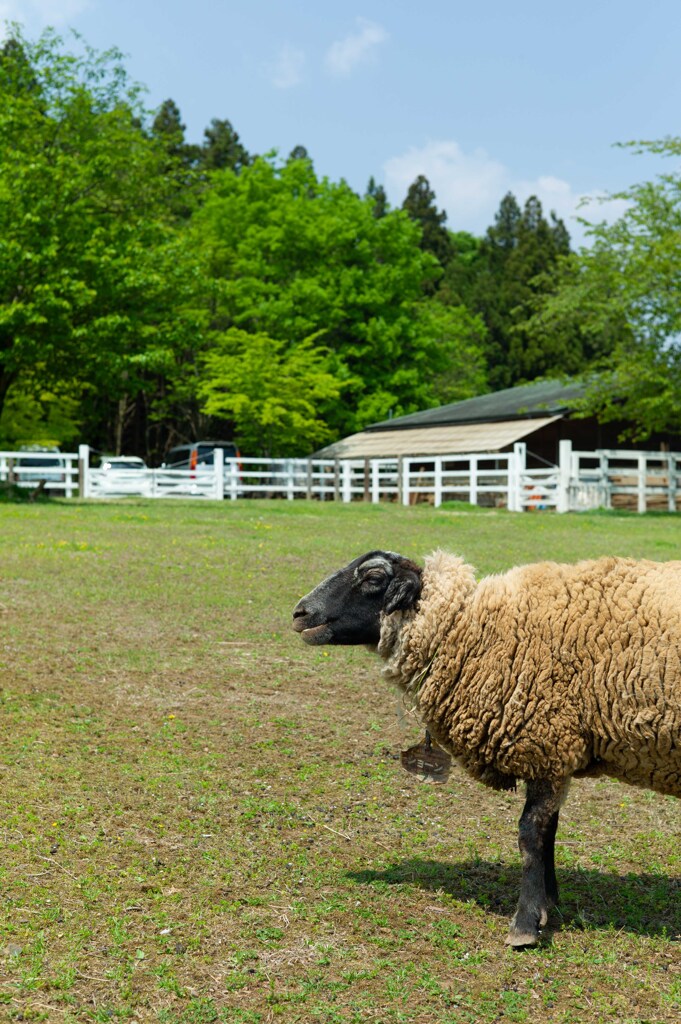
(609, 478)
(55, 472)
(582, 480)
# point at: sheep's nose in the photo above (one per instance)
(299, 616)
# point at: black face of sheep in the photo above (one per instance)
(346, 607)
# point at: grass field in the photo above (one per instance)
(203, 820)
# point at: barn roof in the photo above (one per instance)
(488, 423)
(529, 401)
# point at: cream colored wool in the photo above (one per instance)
(547, 671)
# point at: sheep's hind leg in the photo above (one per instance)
(538, 888)
(550, 881)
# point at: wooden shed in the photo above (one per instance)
(540, 414)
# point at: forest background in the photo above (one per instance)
(153, 291)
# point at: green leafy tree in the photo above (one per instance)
(93, 279)
(457, 285)
(272, 392)
(291, 256)
(45, 417)
(620, 297)
(460, 370)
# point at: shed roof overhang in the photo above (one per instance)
(451, 439)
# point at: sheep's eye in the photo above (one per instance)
(373, 579)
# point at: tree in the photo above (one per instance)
(299, 153)
(457, 285)
(621, 296)
(223, 148)
(419, 204)
(93, 279)
(272, 392)
(167, 127)
(48, 418)
(518, 260)
(376, 193)
(459, 371)
(291, 256)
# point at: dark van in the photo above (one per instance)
(198, 453)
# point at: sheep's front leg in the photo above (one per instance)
(538, 888)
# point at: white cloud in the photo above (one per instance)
(344, 55)
(40, 13)
(470, 186)
(287, 70)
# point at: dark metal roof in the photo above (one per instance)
(529, 401)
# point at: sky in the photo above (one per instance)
(483, 98)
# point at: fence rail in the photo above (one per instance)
(47, 471)
(582, 480)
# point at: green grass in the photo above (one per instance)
(201, 820)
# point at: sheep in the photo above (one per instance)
(547, 672)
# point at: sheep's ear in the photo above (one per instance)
(403, 591)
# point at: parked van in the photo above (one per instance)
(198, 459)
(198, 453)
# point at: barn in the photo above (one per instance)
(540, 414)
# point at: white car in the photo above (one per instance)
(39, 464)
(119, 475)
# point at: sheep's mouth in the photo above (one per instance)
(320, 634)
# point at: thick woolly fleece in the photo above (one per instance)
(547, 671)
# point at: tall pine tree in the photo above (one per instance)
(518, 257)
(223, 148)
(420, 205)
(377, 194)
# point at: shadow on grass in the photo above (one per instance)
(640, 903)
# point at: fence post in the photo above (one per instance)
(642, 480)
(671, 482)
(347, 480)
(437, 482)
(68, 481)
(564, 476)
(83, 470)
(473, 479)
(375, 481)
(406, 480)
(515, 479)
(291, 479)
(219, 473)
(604, 467)
(308, 480)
